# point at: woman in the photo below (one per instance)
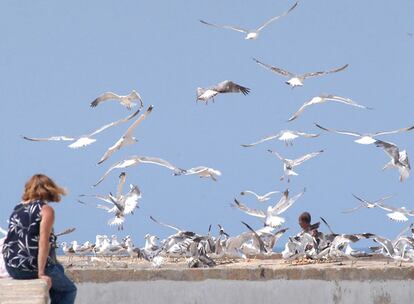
(29, 248)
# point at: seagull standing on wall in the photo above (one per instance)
(296, 80)
(251, 34)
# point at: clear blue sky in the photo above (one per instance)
(56, 58)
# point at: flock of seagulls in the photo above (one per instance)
(202, 249)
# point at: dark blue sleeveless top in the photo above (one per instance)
(21, 246)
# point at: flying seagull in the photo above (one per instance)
(323, 98)
(136, 160)
(125, 100)
(271, 215)
(397, 214)
(127, 138)
(226, 86)
(84, 140)
(366, 204)
(296, 80)
(287, 136)
(251, 34)
(261, 198)
(202, 172)
(289, 164)
(399, 159)
(365, 138)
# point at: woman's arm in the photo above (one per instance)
(46, 224)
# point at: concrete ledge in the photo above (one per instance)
(23, 291)
(263, 270)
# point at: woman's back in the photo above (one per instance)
(21, 246)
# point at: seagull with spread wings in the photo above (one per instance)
(202, 171)
(261, 198)
(399, 159)
(271, 216)
(365, 138)
(254, 33)
(324, 98)
(127, 138)
(136, 160)
(125, 100)
(287, 136)
(226, 86)
(366, 204)
(84, 140)
(289, 164)
(396, 214)
(296, 80)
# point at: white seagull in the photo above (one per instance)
(289, 164)
(399, 159)
(261, 198)
(226, 86)
(125, 100)
(287, 136)
(202, 171)
(251, 34)
(84, 140)
(271, 215)
(366, 204)
(296, 80)
(127, 138)
(323, 98)
(397, 214)
(365, 138)
(136, 160)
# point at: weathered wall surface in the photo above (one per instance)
(248, 292)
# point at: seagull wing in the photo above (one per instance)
(128, 134)
(256, 237)
(353, 209)
(276, 17)
(388, 207)
(389, 148)
(131, 200)
(274, 69)
(121, 183)
(104, 97)
(286, 202)
(267, 138)
(115, 123)
(228, 86)
(300, 111)
(250, 192)
(121, 164)
(395, 131)
(306, 157)
(312, 74)
(99, 197)
(165, 225)
(66, 231)
(160, 162)
(247, 210)
(52, 138)
(270, 193)
(344, 100)
(339, 132)
(307, 135)
(229, 27)
(277, 154)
